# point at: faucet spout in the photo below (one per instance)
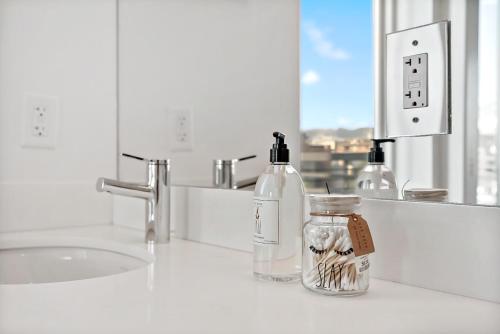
(128, 189)
(156, 194)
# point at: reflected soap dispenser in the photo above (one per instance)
(376, 180)
(278, 215)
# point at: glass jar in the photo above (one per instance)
(329, 265)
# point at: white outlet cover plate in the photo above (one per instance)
(49, 105)
(435, 118)
(181, 135)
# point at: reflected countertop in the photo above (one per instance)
(197, 288)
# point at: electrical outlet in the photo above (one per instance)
(40, 121)
(40, 130)
(415, 81)
(182, 130)
(418, 81)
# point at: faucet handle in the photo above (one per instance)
(247, 157)
(126, 155)
(150, 161)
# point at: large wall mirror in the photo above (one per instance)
(235, 69)
(343, 49)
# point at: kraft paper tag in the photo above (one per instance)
(362, 242)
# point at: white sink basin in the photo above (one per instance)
(57, 260)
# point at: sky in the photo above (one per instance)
(336, 64)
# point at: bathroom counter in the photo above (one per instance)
(197, 288)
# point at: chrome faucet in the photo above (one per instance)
(224, 174)
(156, 193)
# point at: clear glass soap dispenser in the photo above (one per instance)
(278, 214)
(376, 180)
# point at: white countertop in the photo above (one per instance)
(197, 288)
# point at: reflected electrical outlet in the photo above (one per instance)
(418, 76)
(181, 122)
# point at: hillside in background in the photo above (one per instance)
(324, 136)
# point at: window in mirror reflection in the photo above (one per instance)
(336, 92)
(488, 103)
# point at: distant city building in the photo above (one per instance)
(335, 156)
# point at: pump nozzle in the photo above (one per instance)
(280, 137)
(377, 142)
(279, 151)
(376, 153)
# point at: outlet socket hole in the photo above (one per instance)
(414, 70)
(415, 119)
(414, 103)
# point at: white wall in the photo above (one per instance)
(65, 49)
(235, 64)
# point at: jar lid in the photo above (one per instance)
(335, 199)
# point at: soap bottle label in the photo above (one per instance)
(267, 217)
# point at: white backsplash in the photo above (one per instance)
(445, 247)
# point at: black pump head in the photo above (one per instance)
(279, 151)
(376, 153)
(280, 137)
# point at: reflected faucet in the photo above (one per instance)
(224, 174)
(156, 193)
